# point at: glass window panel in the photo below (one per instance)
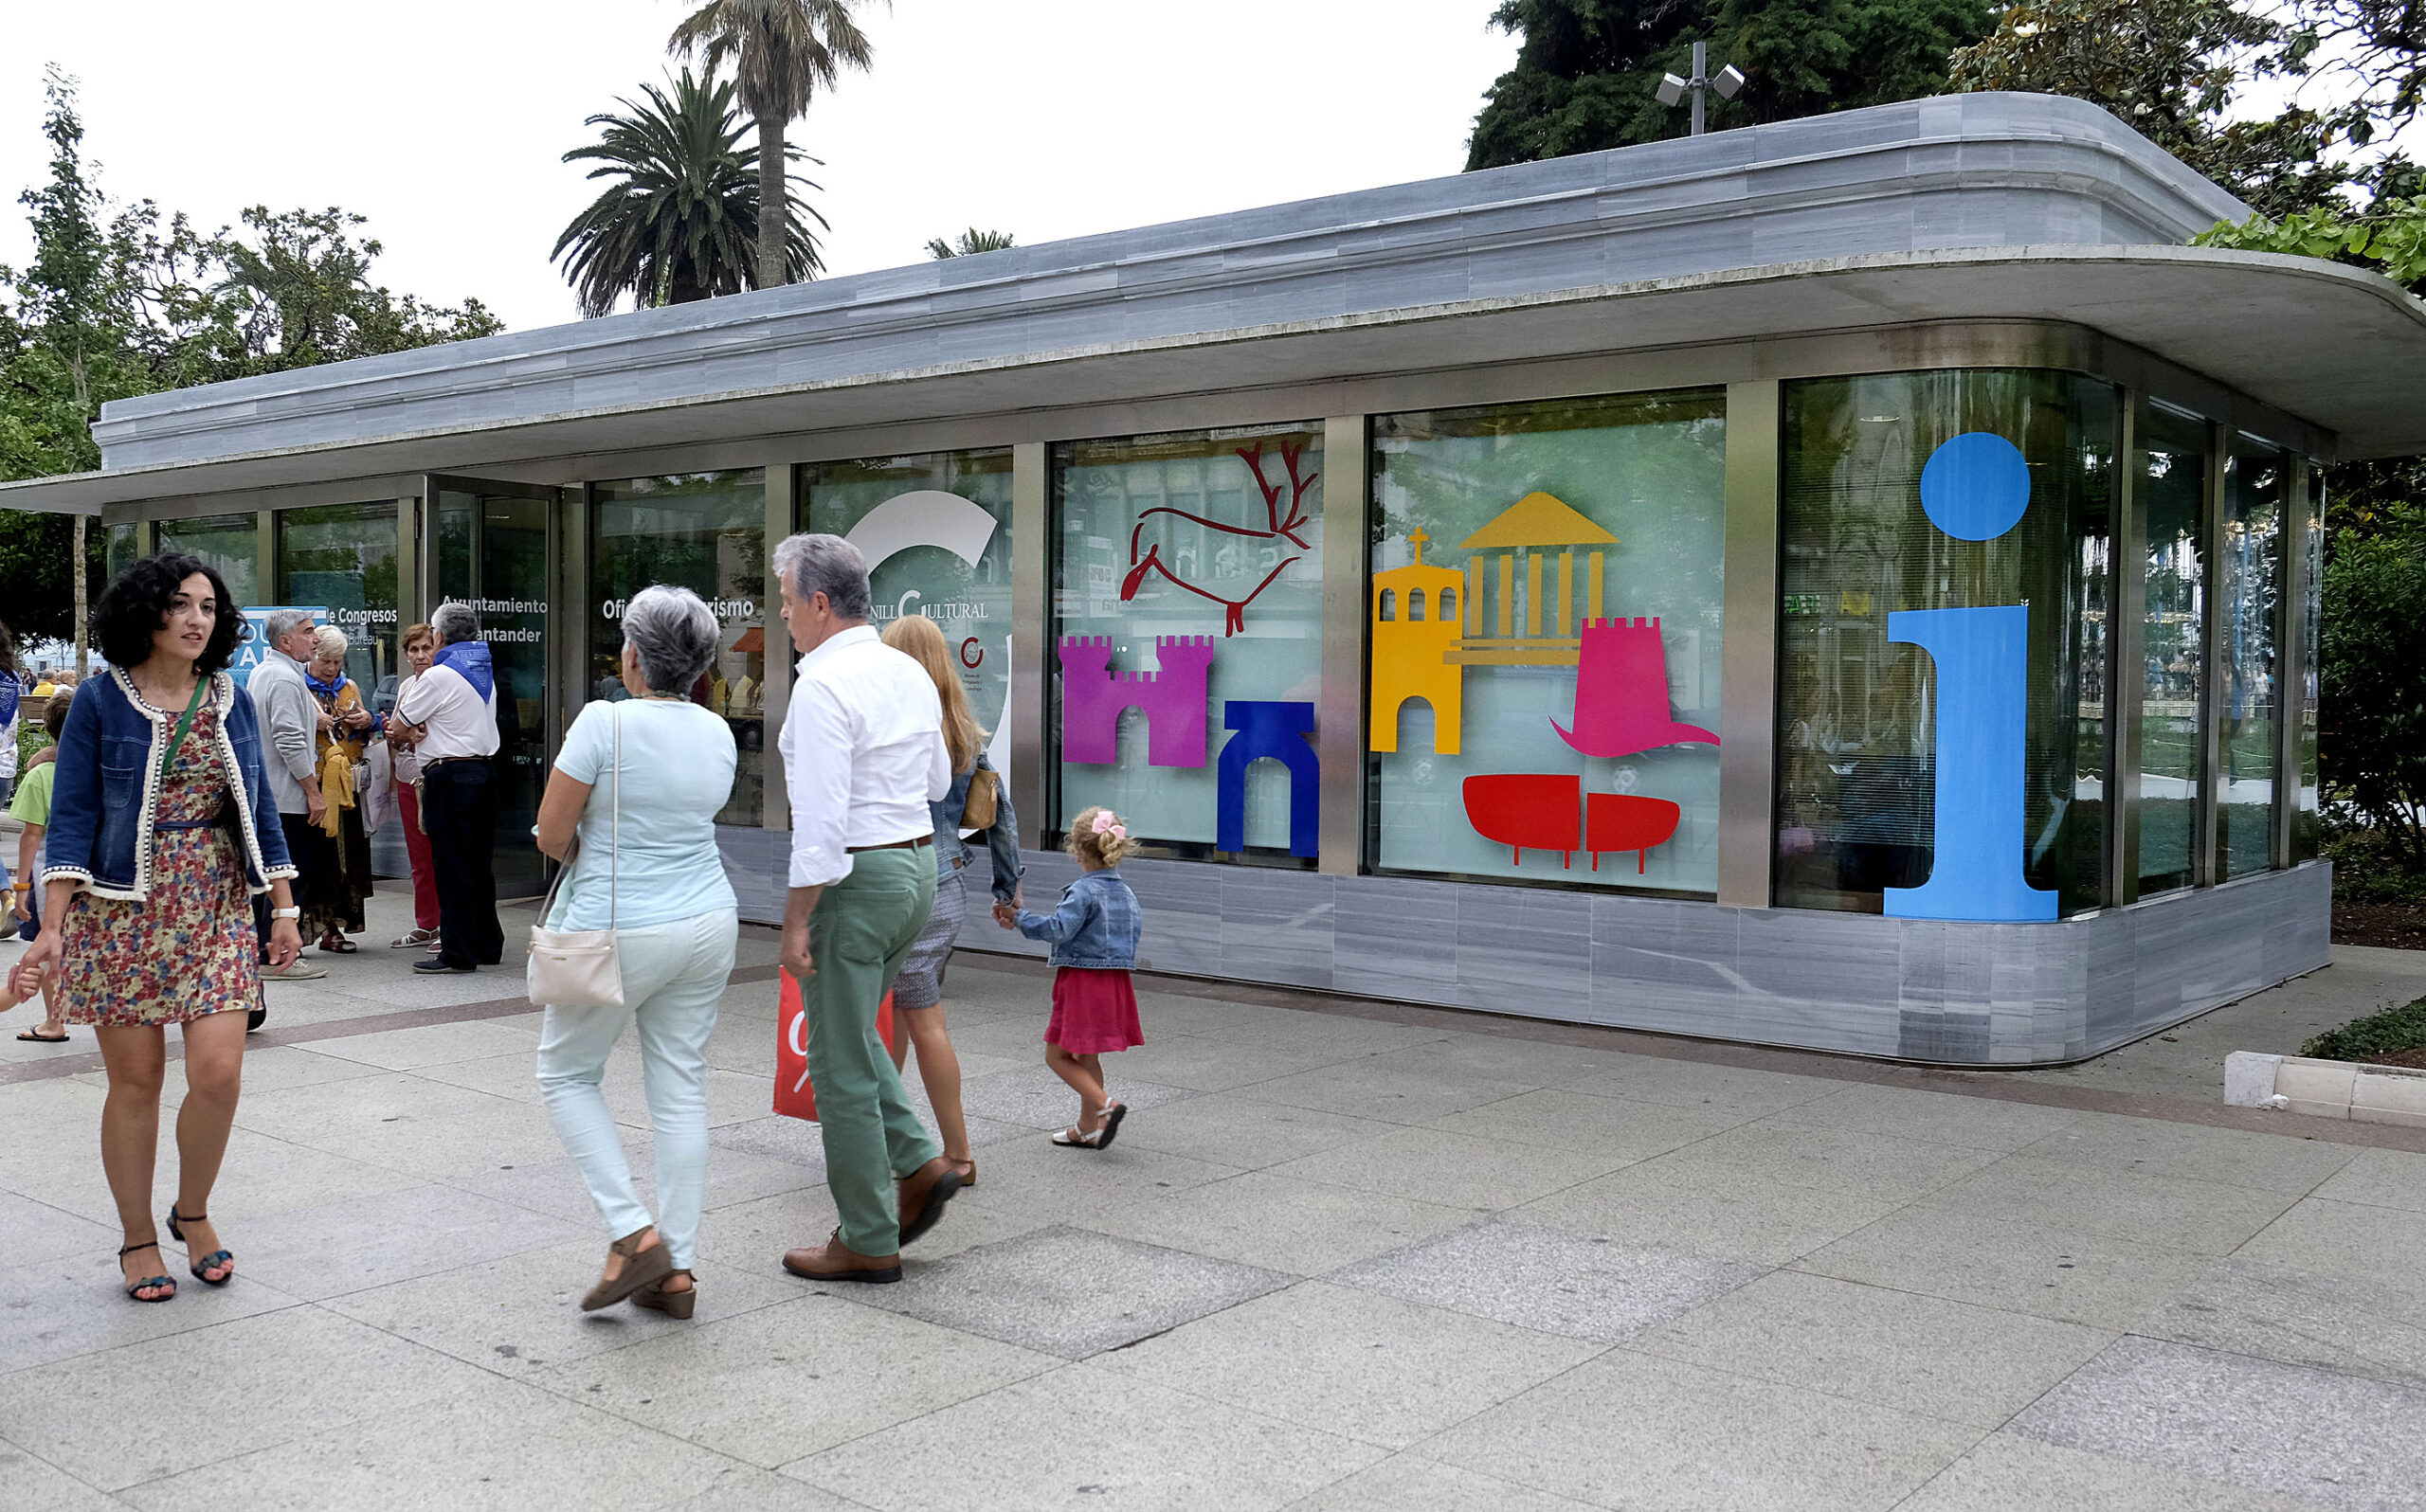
(512, 606)
(118, 554)
(2173, 487)
(1499, 533)
(1857, 737)
(231, 544)
(458, 513)
(705, 531)
(342, 557)
(2249, 586)
(1213, 539)
(2306, 834)
(917, 546)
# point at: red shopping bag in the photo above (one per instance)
(794, 1097)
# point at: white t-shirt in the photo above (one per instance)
(678, 769)
(460, 722)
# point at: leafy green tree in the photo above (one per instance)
(970, 243)
(1585, 69)
(300, 295)
(120, 301)
(2371, 666)
(2171, 69)
(783, 51)
(677, 219)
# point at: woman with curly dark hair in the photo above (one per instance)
(157, 846)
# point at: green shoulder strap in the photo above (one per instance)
(194, 706)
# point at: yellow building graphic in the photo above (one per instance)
(1429, 623)
(1533, 526)
(1415, 632)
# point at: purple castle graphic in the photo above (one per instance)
(1172, 698)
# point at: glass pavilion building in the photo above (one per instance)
(1847, 583)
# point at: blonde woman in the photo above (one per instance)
(346, 729)
(918, 993)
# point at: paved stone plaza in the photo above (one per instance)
(1341, 1257)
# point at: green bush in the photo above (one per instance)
(2374, 1036)
(2367, 866)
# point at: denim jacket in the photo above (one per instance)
(1097, 926)
(1002, 839)
(106, 795)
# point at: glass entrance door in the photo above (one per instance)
(491, 549)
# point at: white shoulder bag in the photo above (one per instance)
(580, 968)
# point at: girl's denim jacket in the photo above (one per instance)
(1097, 926)
(107, 793)
(1002, 840)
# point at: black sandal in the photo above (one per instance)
(148, 1283)
(216, 1257)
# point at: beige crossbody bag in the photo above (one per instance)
(580, 968)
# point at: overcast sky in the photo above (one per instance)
(444, 121)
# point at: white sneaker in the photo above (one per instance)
(300, 971)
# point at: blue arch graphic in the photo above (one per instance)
(1277, 731)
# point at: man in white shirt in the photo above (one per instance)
(289, 717)
(449, 716)
(864, 749)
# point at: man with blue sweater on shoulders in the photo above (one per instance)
(448, 715)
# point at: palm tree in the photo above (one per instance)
(678, 218)
(972, 242)
(783, 51)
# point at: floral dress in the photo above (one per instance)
(188, 949)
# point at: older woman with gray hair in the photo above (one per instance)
(342, 849)
(638, 785)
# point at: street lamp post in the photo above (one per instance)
(1673, 89)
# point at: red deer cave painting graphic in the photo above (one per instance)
(1280, 524)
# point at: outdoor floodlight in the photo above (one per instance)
(1672, 89)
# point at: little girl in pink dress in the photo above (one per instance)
(1093, 935)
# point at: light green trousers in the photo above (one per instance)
(864, 925)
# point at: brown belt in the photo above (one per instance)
(892, 845)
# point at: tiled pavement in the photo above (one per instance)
(1335, 1262)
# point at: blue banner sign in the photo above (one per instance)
(252, 636)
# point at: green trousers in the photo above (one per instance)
(864, 925)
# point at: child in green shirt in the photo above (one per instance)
(31, 807)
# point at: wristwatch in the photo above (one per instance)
(286, 913)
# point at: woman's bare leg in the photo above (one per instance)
(135, 1059)
(214, 1076)
(939, 1069)
(1086, 1082)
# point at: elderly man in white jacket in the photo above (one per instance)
(290, 721)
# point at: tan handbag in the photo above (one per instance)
(979, 812)
(581, 968)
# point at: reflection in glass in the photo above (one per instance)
(2249, 586)
(1497, 531)
(342, 557)
(229, 543)
(1856, 738)
(118, 554)
(2305, 836)
(1215, 539)
(2173, 488)
(928, 524)
(705, 531)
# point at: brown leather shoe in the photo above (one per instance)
(921, 1195)
(835, 1261)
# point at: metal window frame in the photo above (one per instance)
(2127, 645)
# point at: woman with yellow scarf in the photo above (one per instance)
(346, 729)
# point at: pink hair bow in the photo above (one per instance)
(1106, 825)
